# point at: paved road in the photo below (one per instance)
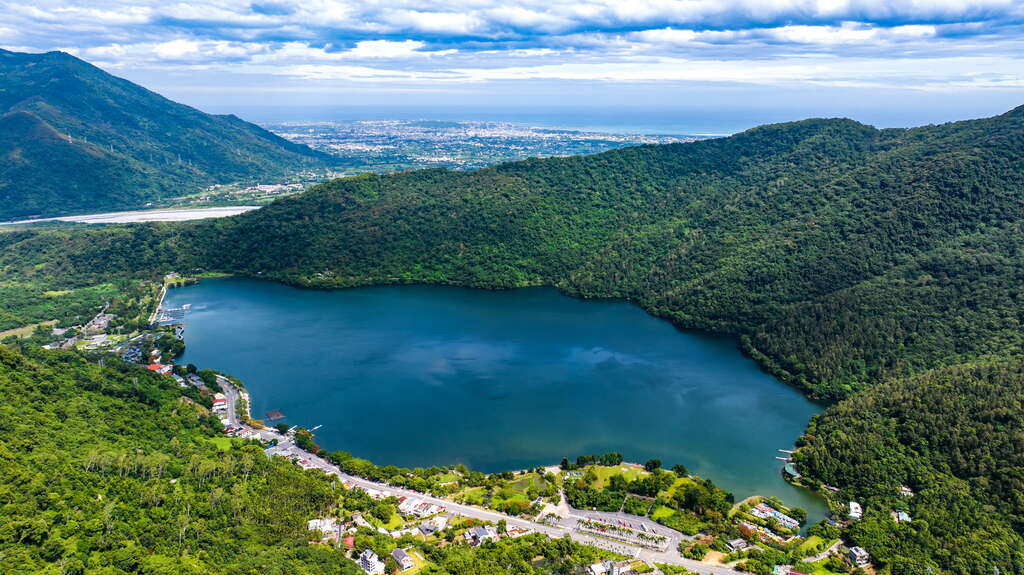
(565, 527)
(231, 400)
(831, 549)
(672, 556)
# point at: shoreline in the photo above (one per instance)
(812, 499)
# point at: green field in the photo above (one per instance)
(662, 512)
(604, 474)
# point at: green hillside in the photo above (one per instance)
(881, 267)
(74, 138)
(953, 436)
(842, 254)
(112, 470)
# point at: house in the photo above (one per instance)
(402, 558)
(481, 534)
(358, 519)
(737, 545)
(765, 512)
(440, 522)
(349, 542)
(370, 563)
(858, 556)
(514, 532)
(856, 511)
(434, 525)
(906, 491)
(901, 517)
(328, 528)
(610, 568)
(160, 368)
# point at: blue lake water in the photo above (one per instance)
(498, 380)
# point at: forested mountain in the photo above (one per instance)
(109, 468)
(842, 254)
(112, 470)
(74, 138)
(881, 266)
(955, 437)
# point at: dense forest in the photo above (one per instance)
(109, 468)
(854, 263)
(74, 138)
(112, 469)
(842, 254)
(955, 437)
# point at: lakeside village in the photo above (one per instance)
(642, 518)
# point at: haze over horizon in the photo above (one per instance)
(696, 64)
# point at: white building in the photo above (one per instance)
(370, 563)
(481, 534)
(402, 559)
(858, 556)
(856, 511)
(327, 527)
(610, 568)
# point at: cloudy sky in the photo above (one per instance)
(891, 62)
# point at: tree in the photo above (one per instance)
(652, 464)
(382, 511)
(680, 470)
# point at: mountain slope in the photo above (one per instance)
(114, 470)
(842, 254)
(954, 436)
(881, 266)
(74, 138)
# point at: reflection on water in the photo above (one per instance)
(420, 375)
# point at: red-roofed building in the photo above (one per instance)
(350, 542)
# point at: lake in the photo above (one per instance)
(498, 380)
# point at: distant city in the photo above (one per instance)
(390, 145)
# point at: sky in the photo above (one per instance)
(710, 65)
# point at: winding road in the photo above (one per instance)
(565, 527)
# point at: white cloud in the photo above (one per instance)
(390, 49)
(844, 42)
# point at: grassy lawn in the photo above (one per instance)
(810, 543)
(604, 474)
(662, 512)
(418, 562)
(25, 331)
(395, 522)
(820, 569)
(471, 496)
(675, 486)
(222, 443)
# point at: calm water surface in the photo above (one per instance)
(423, 375)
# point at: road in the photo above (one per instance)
(286, 447)
(169, 215)
(231, 396)
(827, 552)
